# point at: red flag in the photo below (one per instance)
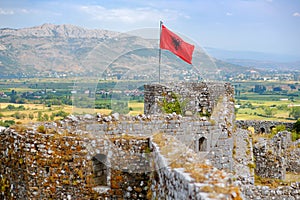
(172, 42)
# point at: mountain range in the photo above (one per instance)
(50, 48)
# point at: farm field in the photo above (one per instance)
(265, 110)
(267, 100)
(23, 116)
(46, 99)
(255, 113)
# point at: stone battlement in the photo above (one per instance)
(196, 99)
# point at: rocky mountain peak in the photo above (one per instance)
(52, 30)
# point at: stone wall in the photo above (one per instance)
(218, 143)
(276, 156)
(61, 165)
(269, 164)
(180, 174)
(111, 156)
(273, 157)
(196, 99)
(266, 193)
(293, 158)
(215, 101)
(53, 166)
(262, 126)
(42, 166)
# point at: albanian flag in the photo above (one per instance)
(172, 42)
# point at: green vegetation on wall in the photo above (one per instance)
(172, 104)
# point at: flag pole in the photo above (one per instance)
(159, 51)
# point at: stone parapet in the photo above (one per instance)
(266, 193)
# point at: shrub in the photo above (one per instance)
(41, 129)
(60, 113)
(40, 116)
(295, 136)
(10, 107)
(295, 113)
(7, 123)
(296, 131)
(19, 115)
(46, 117)
(31, 116)
(173, 105)
(296, 126)
(277, 129)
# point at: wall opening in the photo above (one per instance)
(47, 168)
(262, 130)
(202, 144)
(100, 169)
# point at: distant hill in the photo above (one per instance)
(50, 49)
(266, 65)
(259, 60)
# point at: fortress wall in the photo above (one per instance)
(266, 193)
(215, 101)
(42, 166)
(67, 158)
(261, 126)
(13, 169)
(196, 98)
(270, 156)
(61, 163)
(180, 174)
(224, 119)
(293, 159)
(188, 130)
(269, 164)
(51, 166)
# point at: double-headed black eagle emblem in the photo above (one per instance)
(176, 42)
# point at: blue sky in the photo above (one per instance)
(271, 26)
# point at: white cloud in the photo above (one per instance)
(296, 14)
(269, 1)
(25, 11)
(6, 12)
(128, 15)
(16, 11)
(229, 14)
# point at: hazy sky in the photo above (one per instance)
(271, 26)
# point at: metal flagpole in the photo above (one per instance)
(159, 52)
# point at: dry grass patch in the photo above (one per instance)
(159, 139)
(19, 128)
(76, 110)
(292, 177)
(136, 105)
(128, 137)
(271, 182)
(214, 190)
